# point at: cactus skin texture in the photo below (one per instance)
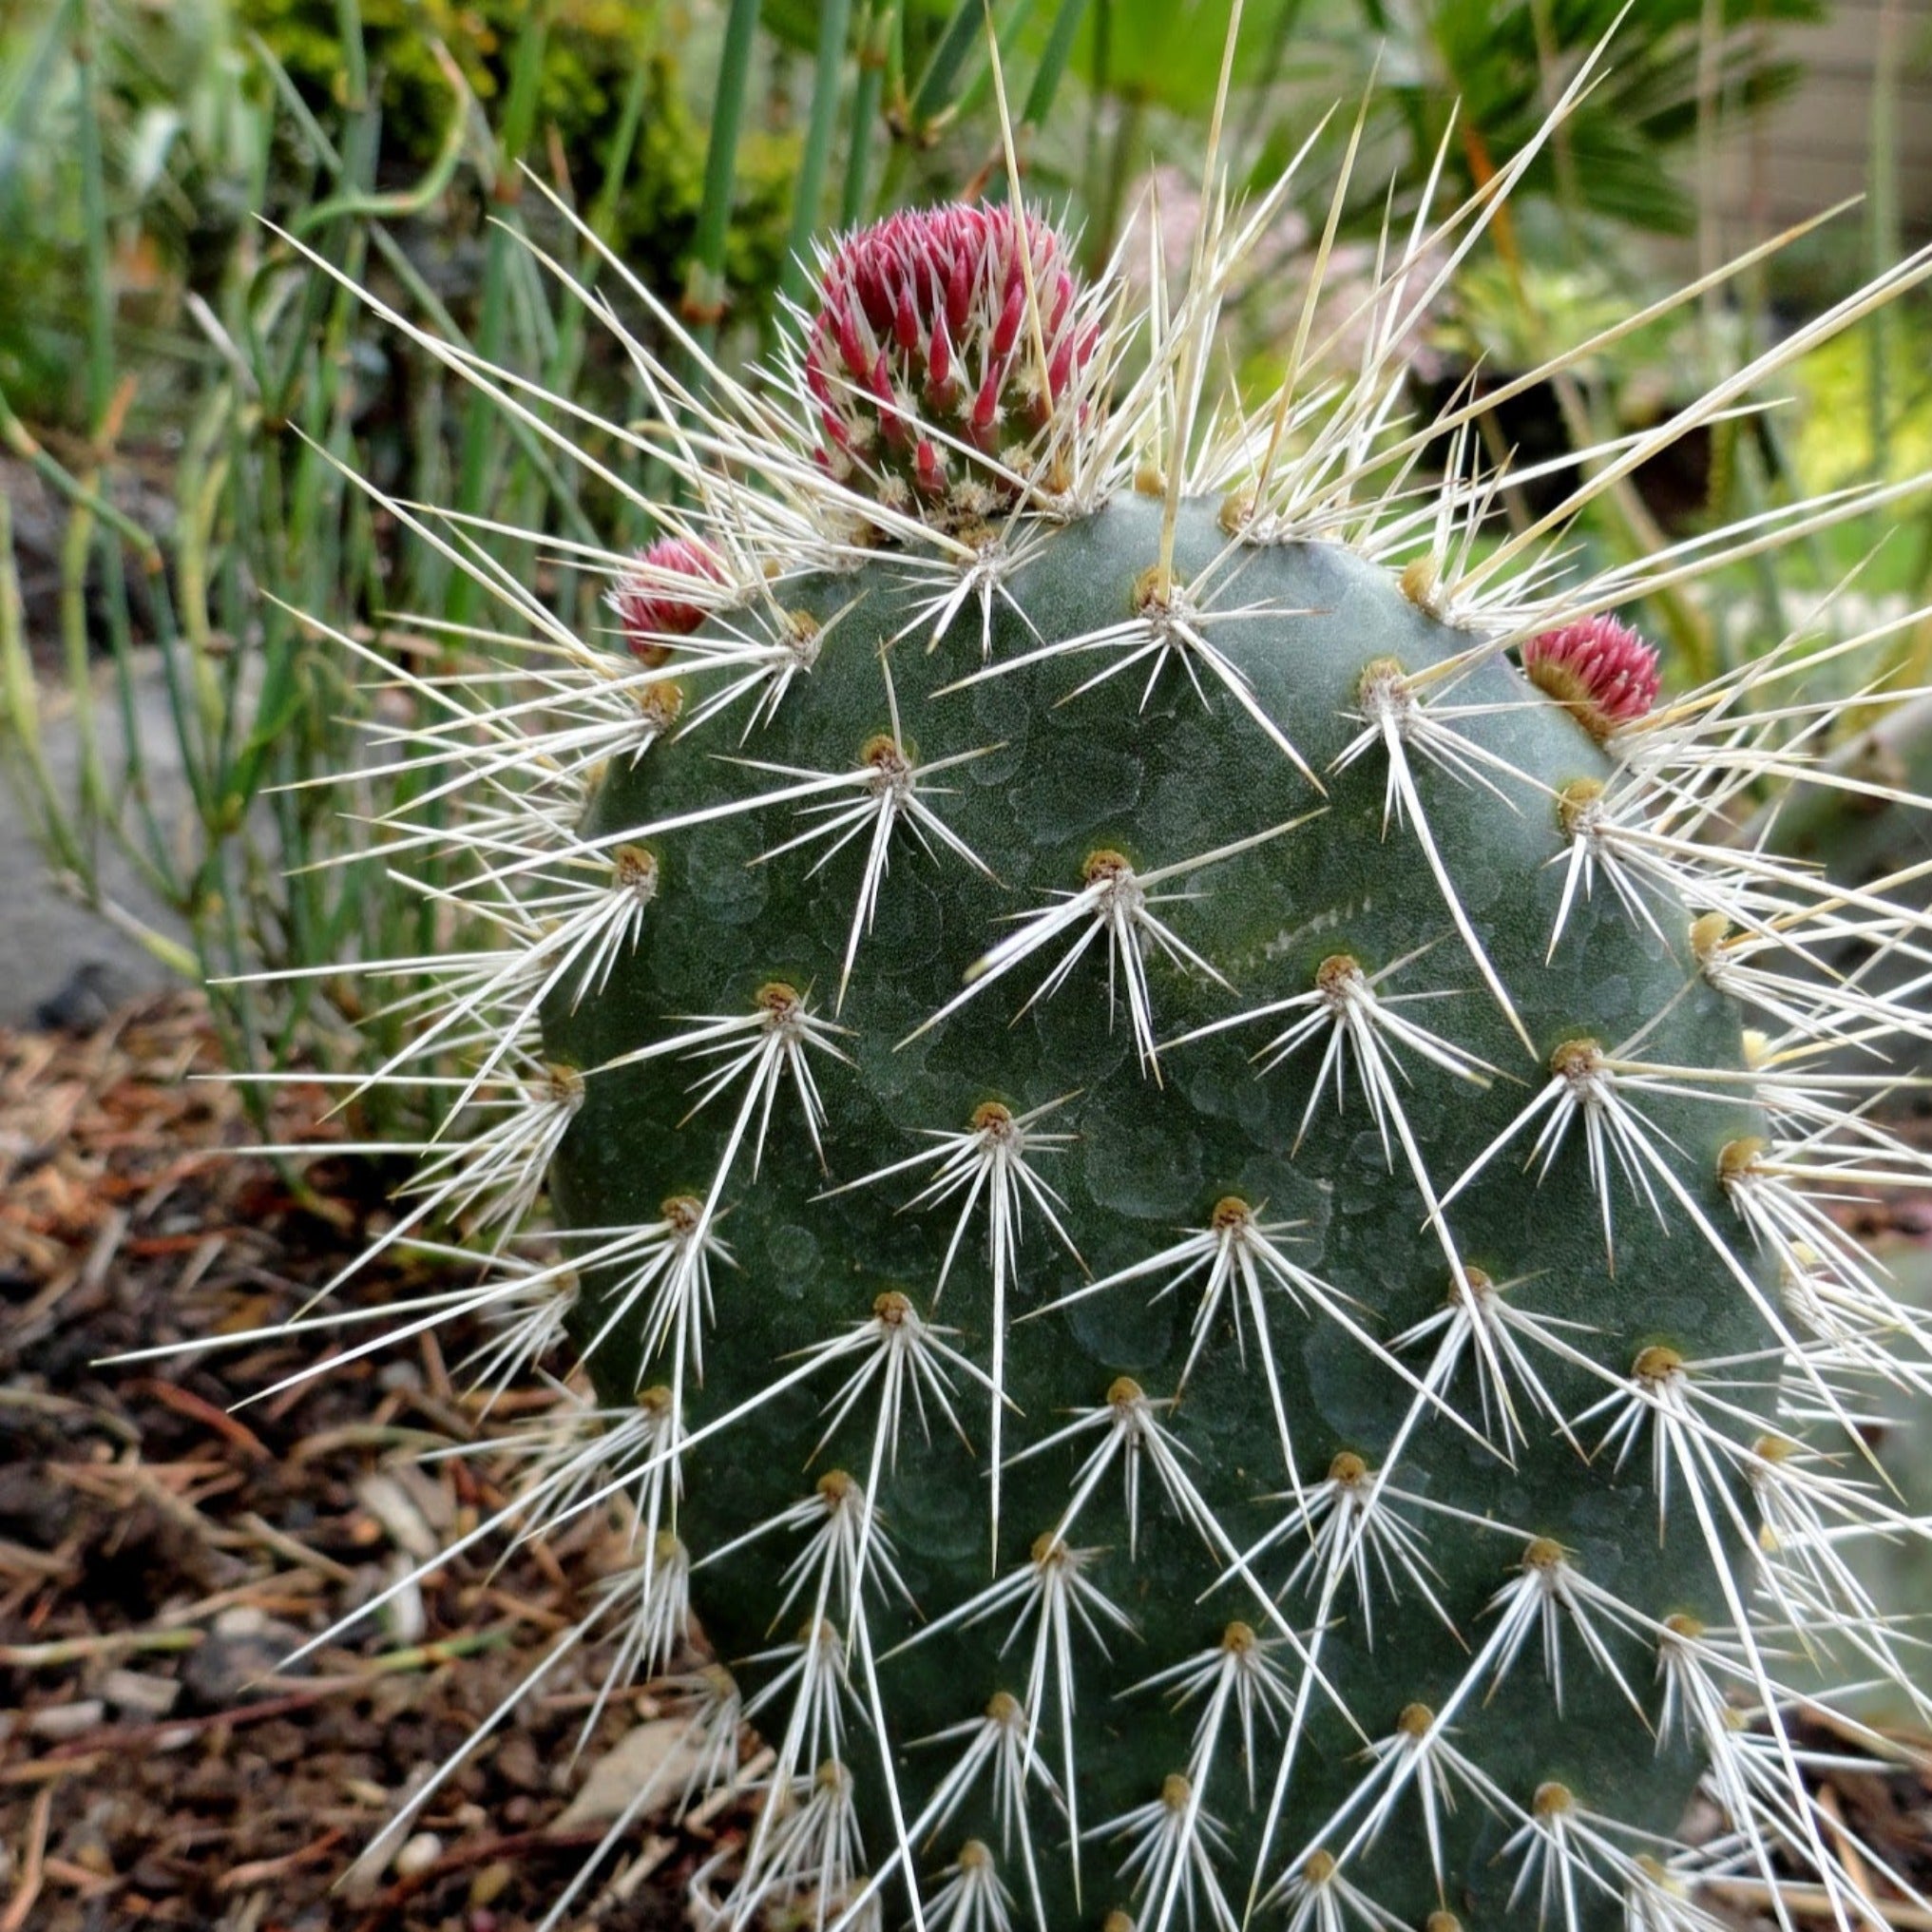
(1193, 1211)
(1144, 1161)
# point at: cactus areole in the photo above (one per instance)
(1187, 1196)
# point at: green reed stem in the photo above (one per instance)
(828, 72)
(1053, 61)
(877, 37)
(704, 279)
(939, 80)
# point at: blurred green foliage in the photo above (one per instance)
(180, 111)
(1837, 440)
(1493, 65)
(591, 45)
(594, 52)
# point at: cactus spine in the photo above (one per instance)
(1191, 1203)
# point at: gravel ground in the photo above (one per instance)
(162, 1550)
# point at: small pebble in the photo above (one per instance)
(62, 1721)
(91, 1855)
(391, 1505)
(242, 1658)
(418, 1855)
(136, 1690)
(405, 1615)
(488, 1887)
(517, 1763)
(433, 1499)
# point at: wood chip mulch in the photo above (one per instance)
(165, 1542)
(164, 1549)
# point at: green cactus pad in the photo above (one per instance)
(1159, 762)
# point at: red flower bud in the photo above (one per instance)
(923, 341)
(1599, 669)
(649, 608)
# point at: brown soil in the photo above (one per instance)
(163, 1549)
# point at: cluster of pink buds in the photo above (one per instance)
(923, 351)
(1601, 670)
(646, 600)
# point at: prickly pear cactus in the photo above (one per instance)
(1118, 1121)
(1189, 1172)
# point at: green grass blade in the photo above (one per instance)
(828, 70)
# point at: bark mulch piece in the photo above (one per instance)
(162, 1550)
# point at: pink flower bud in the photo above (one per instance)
(649, 609)
(938, 383)
(1599, 669)
(923, 342)
(1006, 330)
